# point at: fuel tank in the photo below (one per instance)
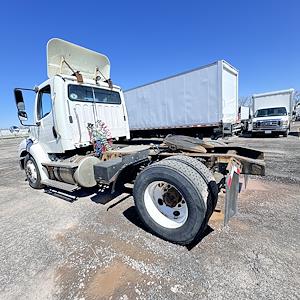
(77, 170)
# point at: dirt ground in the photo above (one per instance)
(96, 248)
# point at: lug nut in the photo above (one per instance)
(160, 202)
(176, 213)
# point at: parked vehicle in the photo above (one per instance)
(297, 112)
(272, 112)
(80, 139)
(14, 129)
(203, 101)
(243, 120)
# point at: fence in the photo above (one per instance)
(7, 133)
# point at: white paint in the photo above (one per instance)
(204, 96)
(80, 59)
(161, 213)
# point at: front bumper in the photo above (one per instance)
(267, 129)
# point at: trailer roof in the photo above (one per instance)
(288, 91)
(182, 73)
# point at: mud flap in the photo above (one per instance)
(232, 190)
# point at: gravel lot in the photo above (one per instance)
(95, 247)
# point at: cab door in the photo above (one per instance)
(45, 130)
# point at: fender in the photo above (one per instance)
(37, 152)
(22, 152)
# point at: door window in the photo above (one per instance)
(44, 102)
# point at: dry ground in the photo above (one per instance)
(93, 248)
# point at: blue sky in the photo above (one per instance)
(149, 40)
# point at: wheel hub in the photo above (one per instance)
(165, 204)
(172, 197)
(31, 171)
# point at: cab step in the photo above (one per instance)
(60, 185)
(59, 164)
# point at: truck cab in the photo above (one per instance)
(69, 105)
(64, 108)
(271, 120)
(272, 112)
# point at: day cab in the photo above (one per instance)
(65, 105)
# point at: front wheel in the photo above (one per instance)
(171, 200)
(32, 172)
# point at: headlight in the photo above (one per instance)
(285, 123)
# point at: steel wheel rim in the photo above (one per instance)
(165, 204)
(31, 172)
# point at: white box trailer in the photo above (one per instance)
(201, 98)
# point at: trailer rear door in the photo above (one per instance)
(229, 93)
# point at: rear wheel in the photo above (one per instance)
(206, 175)
(32, 172)
(171, 200)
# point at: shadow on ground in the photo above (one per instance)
(99, 195)
(104, 196)
(132, 216)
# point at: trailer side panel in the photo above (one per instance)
(185, 100)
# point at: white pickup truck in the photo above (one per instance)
(272, 112)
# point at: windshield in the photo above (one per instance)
(91, 94)
(271, 112)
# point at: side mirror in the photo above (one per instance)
(22, 115)
(20, 105)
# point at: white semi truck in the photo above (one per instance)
(200, 102)
(80, 139)
(272, 112)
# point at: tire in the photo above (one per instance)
(32, 172)
(285, 134)
(189, 189)
(206, 175)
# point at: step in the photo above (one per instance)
(60, 185)
(60, 164)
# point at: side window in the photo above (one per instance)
(44, 102)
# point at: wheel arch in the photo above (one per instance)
(38, 154)
(21, 158)
(126, 175)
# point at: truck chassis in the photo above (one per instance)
(176, 180)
